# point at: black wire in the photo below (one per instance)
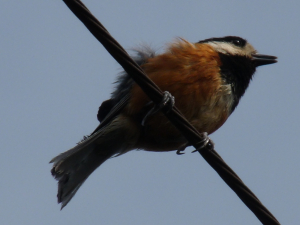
(155, 94)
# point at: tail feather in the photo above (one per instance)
(74, 166)
(69, 181)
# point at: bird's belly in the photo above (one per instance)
(159, 134)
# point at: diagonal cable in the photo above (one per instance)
(155, 94)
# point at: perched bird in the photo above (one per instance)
(207, 79)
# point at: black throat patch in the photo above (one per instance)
(237, 71)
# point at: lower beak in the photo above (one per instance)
(260, 60)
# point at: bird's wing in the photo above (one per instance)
(108, 111)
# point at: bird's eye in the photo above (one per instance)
(238, 42)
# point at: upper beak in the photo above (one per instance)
(260, 60)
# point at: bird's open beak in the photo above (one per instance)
(260, 60)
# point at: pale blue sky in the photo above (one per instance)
(54, 75)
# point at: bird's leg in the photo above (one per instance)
(167, 101)
(182, 148)
(204, 143)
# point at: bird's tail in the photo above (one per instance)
(74, 166)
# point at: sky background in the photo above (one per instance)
(54, 75)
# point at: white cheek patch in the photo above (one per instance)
(226, 48)
(231, 49)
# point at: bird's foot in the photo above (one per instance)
(206, 142)
(182, 148)
(167, 101)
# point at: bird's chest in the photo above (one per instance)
(214, 111)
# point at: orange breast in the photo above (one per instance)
(190, 72)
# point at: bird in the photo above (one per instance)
(204, 80)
